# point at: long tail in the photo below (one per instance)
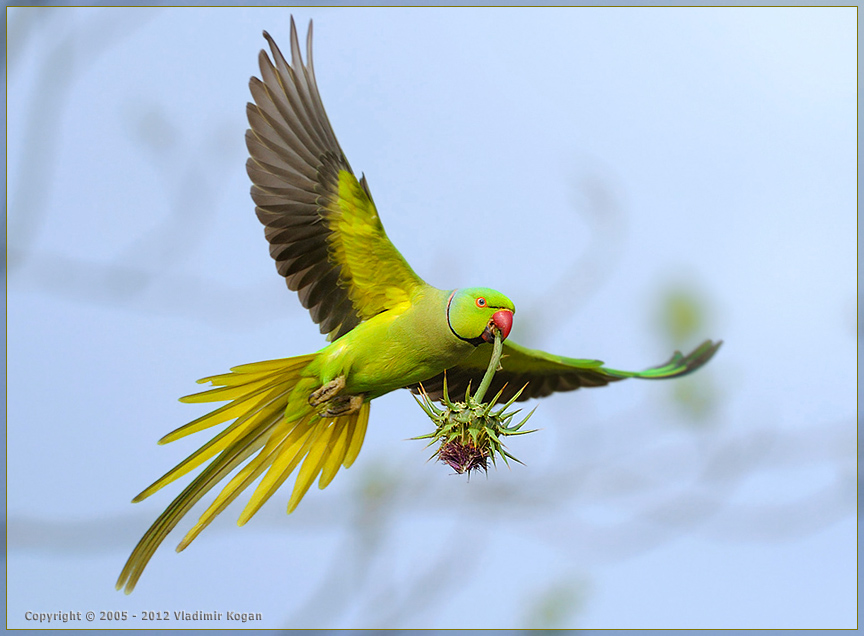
(269, 406)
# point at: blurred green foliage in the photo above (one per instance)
(682, 319)
(682, 314)
(557, 604)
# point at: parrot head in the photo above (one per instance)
(474, 312)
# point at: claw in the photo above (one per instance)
(342, 405)
(327, 392)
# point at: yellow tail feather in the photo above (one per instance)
(261, 393)
(252, 416)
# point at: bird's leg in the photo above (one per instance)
(329, 403)
(342, 405)
(327, 392)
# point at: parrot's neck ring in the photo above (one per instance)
(472, 341)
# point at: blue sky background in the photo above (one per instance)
(609, 169)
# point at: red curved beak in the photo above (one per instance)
(503, 319)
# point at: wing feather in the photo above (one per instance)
(320, 221)
(546, 373)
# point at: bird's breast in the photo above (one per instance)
(390, 352)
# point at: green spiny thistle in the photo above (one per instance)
(470, 432)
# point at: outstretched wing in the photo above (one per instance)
(322, 226)
(545, 373)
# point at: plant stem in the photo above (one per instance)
(490, 370)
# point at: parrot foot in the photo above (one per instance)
(342, 405)
(327, 392)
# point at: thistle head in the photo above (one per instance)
(470, 433)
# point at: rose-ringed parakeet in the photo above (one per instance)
(387, 328)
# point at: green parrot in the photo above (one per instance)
(387, 328)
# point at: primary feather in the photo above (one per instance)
(322, 226)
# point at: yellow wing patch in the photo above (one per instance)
(376, 275)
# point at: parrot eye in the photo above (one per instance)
(481, 302)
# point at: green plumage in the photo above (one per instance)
(388, 328)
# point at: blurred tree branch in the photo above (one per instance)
(70, 49)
